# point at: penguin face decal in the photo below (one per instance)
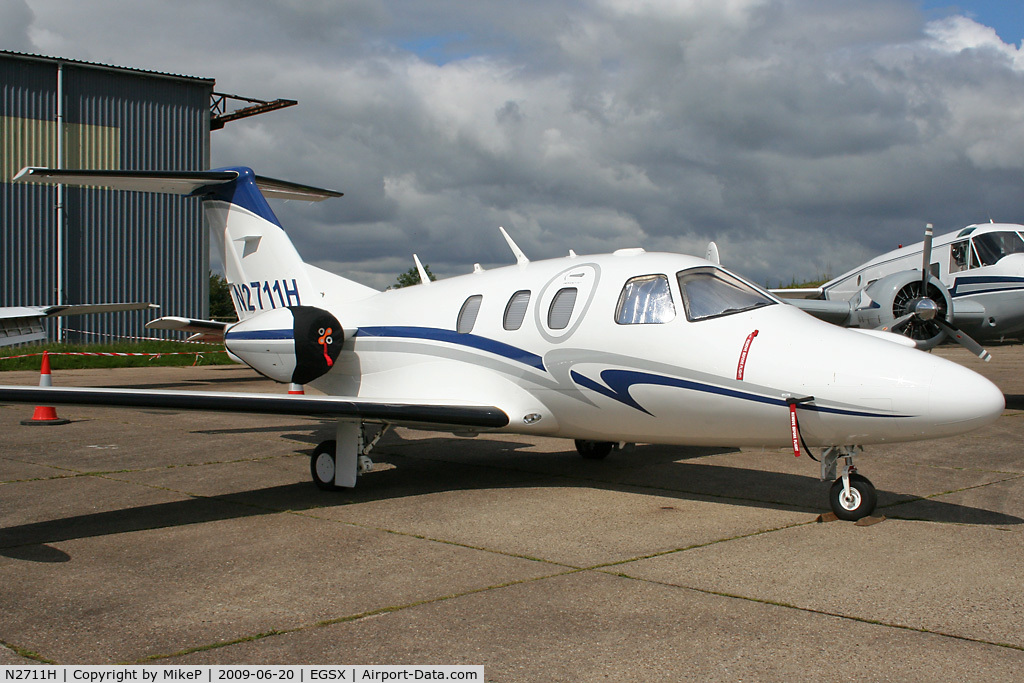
(318, 341)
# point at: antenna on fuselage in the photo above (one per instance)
(520, 256)
(424, 278)
(712, 254)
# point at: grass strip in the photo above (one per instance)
(157, 353)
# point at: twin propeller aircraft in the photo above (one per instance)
(965, 285)
(607, 349)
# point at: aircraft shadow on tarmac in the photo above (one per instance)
(1014, 401)
(192, 384)
(479, 464)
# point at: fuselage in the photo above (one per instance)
(646, 347)
(983, 264)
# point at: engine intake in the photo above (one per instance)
(294, 344)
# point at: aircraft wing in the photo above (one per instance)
(439, 413)
(799, 293)
(21, 324)
(836, 312)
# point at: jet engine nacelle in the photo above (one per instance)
(294, 344)
(899, 297)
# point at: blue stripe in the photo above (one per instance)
(452, 337)
(619, 383)
(1015, 282)
(260, 335)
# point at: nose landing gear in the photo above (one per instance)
(852, 496)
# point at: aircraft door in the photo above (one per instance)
(564, 301)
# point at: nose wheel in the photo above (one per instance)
(852, 499)
(852, 496)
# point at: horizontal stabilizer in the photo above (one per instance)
(439, 413)
(169, 182)
(89, 309)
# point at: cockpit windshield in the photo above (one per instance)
(992, 246)
(710, 293)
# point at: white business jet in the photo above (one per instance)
(966, 285)
(607, 349)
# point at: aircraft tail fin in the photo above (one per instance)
(263, 268)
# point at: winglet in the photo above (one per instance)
(520, 256)
(424, 278)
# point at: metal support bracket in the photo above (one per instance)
(829, 462)
(368, 445)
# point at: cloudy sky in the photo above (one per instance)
(803, 136)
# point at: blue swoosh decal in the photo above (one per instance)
(617, 384)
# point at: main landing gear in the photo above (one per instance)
(598, 450)
(333, 467)
(852, 496)
(594, 450)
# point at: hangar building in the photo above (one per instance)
(65, 245)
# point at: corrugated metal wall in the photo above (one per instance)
(117, 246)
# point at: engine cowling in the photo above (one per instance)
(294, 344)
(899, 296)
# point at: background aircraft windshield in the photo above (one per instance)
(709, 292)
(993, 246)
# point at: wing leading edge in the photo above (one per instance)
(392, 412)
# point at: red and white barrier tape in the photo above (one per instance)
(121, 336)
(197, 354)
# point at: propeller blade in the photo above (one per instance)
(926, 266)
(965, 341)
(896, 323)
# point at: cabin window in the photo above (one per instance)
(560, 310)
(515, 311)
(645, 300)
(467, 316)
(990, 247)
(959, 256)
(710, 293)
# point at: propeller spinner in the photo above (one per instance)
(919, 314)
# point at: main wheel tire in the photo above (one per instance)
(861, 502)
(322, 466)
(594, 450)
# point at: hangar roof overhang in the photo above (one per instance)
(219, 114)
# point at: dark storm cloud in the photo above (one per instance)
(801, 135)
(15, 19)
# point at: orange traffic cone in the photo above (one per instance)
(45, 415)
